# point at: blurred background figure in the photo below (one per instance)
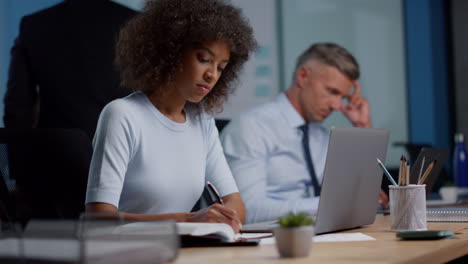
(61, 73)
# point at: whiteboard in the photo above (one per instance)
(258, 82)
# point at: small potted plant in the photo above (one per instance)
(294, 235)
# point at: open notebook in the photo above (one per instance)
(203, 234)
(214, 234)
(214, 231)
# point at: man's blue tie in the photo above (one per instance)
(308, 158)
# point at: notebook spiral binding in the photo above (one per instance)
(447, 215)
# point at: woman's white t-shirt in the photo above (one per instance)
(145, 163)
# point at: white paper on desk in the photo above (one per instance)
(253, 236)
(336, 237)
(342, 237)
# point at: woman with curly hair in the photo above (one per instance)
(155, 149)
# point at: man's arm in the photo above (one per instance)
(247, 151)
(252, 180)
(21, 96)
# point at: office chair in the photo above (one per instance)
(50, 168)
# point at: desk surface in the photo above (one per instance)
(385, 249)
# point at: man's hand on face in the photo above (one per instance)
(357, 110)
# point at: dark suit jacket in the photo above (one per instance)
(64, 57)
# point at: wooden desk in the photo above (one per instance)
(385, 249)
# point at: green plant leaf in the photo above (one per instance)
(295, 220)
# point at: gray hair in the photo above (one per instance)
(332, 55)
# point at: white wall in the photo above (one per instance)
(372, 30)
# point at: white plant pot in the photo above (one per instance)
(449, 193)
(294, 242)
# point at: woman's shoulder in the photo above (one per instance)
(126, 104)
(128, 108)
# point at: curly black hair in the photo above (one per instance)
(150, 46)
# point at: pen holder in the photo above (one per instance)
(408, 207)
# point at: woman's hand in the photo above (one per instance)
(231, 213)
(217, 213)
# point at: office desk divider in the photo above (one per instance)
(9, 245)
(42, 241)
(118, 241)
(91, 241)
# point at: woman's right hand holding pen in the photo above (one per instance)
(217, 213)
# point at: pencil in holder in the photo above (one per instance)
(408, 207)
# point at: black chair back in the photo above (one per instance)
(50, 168)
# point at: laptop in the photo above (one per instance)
(351, 181)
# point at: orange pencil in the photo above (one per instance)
(427, 172)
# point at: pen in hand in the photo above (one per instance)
(218, 199)
(214, 193)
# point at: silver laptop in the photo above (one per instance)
(351, 180)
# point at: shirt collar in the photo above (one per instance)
(293, 118)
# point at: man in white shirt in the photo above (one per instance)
(277, 150)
